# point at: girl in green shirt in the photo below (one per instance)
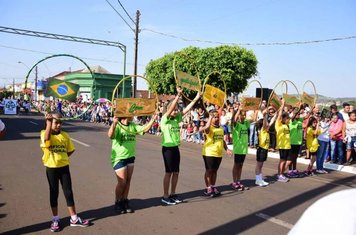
(123, 154)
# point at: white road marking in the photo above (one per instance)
(80, 142)
(275, 221)
(33, 123)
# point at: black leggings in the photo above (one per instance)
(62, 174)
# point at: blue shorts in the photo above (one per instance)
(351, 144)
(123, 163)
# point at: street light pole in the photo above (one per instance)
(36, 76)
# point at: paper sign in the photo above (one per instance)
(308, 99)
(250, 103)
(275, 101)
(187, 81)
(10, 106)
(129, 107)
(214, 95)
(291, 100)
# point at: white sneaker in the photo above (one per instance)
(261, 183)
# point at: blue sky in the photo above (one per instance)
(331, 65)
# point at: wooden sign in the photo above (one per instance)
(275, 101)
(188, 81)
(308, 99)
(214, 95)
(291, 100)
(129, 107)
(250, 103)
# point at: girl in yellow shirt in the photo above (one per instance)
(213, 152)
(263, 146)
(313, 132)
(57, 147)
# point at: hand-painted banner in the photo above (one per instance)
(308, 99)
(62, 89)
(214, 95)
(188, 81)
(250, 103)
(275, 101)
(129, 107)
(291, 100)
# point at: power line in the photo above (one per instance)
(126, 12)
(252, 44)
(48, 53)
(120, 15)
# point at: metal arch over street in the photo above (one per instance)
(121, 46)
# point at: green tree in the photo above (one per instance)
(235, 64)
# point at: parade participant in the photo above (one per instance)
(349, 135)
(57, 147)
(170, 147)
(313, 132)
(296, 140)
(263, 146)
(123, 155)
(240, 127)
(212, 152)
(283, 141)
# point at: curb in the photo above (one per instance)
(329, 166)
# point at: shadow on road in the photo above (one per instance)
(247, 222)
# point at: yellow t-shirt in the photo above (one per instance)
(283, 135)
(55, 150)
(214, 142)
(312, 140)
(263, 139)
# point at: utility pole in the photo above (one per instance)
(134, 87)
(13, 88)
(36, 73)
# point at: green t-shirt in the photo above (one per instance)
(296, 131)
(240, 137)
(124, 142)
(170, 130)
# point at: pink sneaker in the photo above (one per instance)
(79, 222)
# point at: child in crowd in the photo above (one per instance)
(212, 152)
(123, 154)
(313, 132)
(263, 146)
(57, 147)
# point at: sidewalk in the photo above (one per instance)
(330, 166)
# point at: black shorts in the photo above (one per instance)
(212, 163)
(239, 158)
(171, 158)
(283, 154)
(261, 154)
(295, 149)
(312, 154)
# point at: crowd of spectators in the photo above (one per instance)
(330, 117)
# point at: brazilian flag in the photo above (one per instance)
(61, 89)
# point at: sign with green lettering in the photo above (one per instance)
(250, 103)
(188, 81)
(129, 107)
(275, 101)
(308, 99)
(291, 100)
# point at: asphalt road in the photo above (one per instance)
(24, 194)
